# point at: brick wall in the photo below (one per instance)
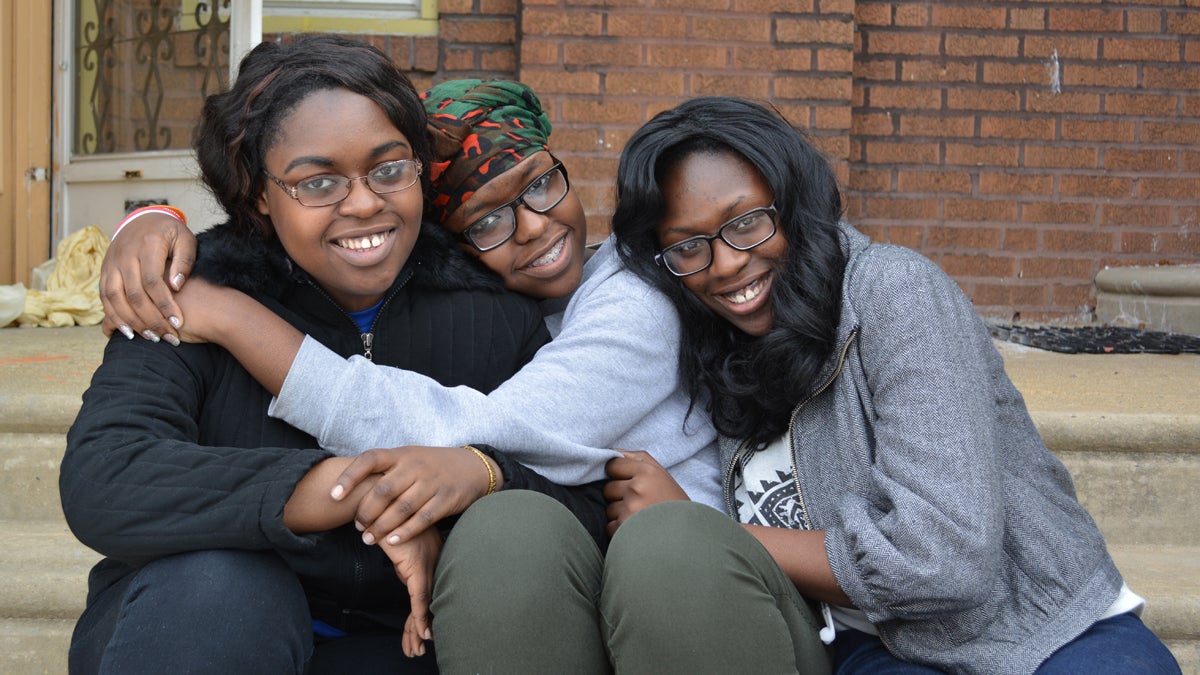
(1025, 146)
(1022, 146)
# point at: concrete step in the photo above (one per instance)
(34, 646)
(29, 481)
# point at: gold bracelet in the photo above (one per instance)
(491, 472)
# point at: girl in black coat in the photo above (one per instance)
(225, 551)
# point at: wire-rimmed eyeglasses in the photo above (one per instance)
(327, 189)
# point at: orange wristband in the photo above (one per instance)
(153, 208)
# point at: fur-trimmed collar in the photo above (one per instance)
(229, 257)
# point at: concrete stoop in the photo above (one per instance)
(1126, 426)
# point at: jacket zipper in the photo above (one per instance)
(368, 338)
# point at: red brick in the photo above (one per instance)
(637, 25)
(1150, 105)
(557, 81)
(814, 31)
(1185, 133)
(1178, 189)
(602, 53)
(991, 156)
(502, 61)
(1025, 127)
(1059, 213)
(1080, 296)
(911, 15)
(832, 117)
(979, 210)
(872, 15)
(1190, 161)
(982, 265)
(457, 59)
(1186, 244)
(1108, 131)
(900, 98)
(1105, 187)
(658, 83)
(968, 17)
(1145, 21)
(496, 7)
(1057, 268)
(738, 29)
(1141, 50)
(941, 237)
(814, 88)
(1086, 20)
(769, 59)
(1016, 73)
(1181, 78)
(750, 86)
(873, 124)
(941, 181)
(1135, 214)
(997, 183)
(687, 56)
(905, 208)
(556, 22)
(1078, 241)
(882, 152)
(938, 126)
(937, 71)
(1021, 239)
(455, 7)
(989, 100)
(1119, 76)
(600, 112)
(1136, 242)
(870, 180)
(767, 6)
(485, 31)
(834, 147)
(919, 44)
(874, 69)
(540, 52)
(987, 46)
(1081, 48)
(832, 7)
(566, 140)
(1007, 296)
(1060, 157)
(1141, 160)
(832, 60)
(1027, 19)
(1183, 23)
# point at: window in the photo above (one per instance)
(397, 17)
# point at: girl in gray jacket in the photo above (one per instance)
(875, 452)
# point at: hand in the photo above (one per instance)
(414, 562)
(637, 481)
(135, 296)
(417, 487)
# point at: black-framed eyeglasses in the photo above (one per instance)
(542, 194)
(331, 188)
(743, 233)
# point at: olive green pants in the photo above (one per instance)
(521, 588)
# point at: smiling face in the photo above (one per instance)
(701, 192)
(354, 249)
(544, 257)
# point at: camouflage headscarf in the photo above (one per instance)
(478, 129)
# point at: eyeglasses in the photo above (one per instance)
(329, 189)
(542, 194)
(743, 233)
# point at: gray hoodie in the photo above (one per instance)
(609, 379)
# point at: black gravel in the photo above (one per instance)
(1098, 339)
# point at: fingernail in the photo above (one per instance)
(394, 539)
(175, 321)
(359, 526)
(171, 340)
(177, 280)
(149, 335)
(337, 491)
(126, 331)
(368, 538)
(428, 635)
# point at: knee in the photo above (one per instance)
(517, 522)
(670, 537)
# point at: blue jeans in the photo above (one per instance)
(1119, 644)
(201, 612)
(222, 612)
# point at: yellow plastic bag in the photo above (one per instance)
(72, 294)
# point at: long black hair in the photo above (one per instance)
(751, 383)
(237, 127)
